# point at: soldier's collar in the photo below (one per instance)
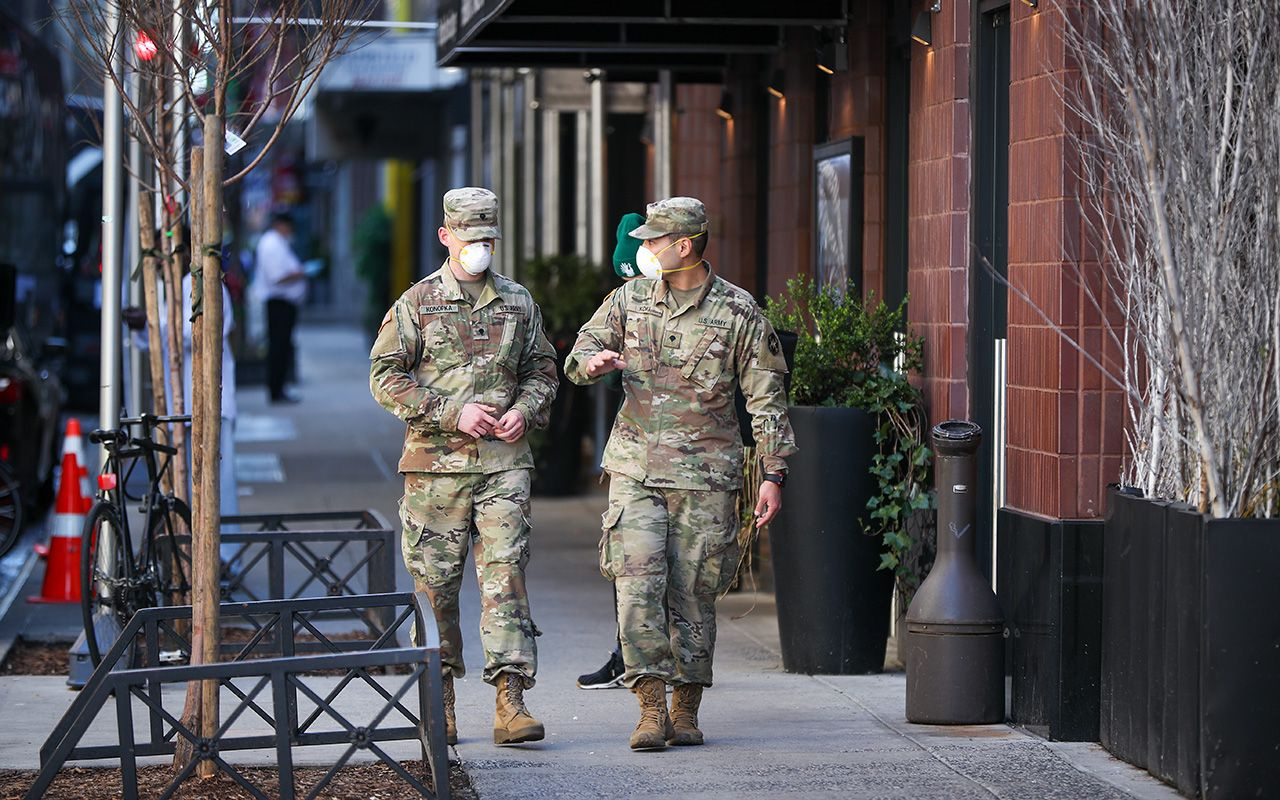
(453, 290)
(661, 289)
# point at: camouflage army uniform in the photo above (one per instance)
(434, 353)
(675, 459)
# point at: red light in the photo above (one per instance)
(107, 481)
(145, 47)
(10, 391)
(4, 452)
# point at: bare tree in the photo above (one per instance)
(187, 55)
(1178, 109)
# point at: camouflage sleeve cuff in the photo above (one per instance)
(773, 464)
(575, 367)
(450, 413)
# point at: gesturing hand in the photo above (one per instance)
(769, 504)
(510, 427)
(604, 362)
(477, 420)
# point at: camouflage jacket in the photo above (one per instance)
(435, 352)
(678, 427)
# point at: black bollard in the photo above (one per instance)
(955, 630)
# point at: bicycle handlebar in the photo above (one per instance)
(119, 438)
(151, 420)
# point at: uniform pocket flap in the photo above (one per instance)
(609, 519)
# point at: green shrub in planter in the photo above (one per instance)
(568, 289)
(852, 354)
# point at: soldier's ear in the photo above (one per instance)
(443, 235)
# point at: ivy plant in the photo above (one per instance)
(854, 354)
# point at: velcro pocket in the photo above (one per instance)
(719, 567)
(612, 560)
(442, 346)
(706, 363)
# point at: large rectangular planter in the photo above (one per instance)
(1191, 647)
(1050, 587)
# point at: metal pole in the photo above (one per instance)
(662, 136)
(580, 241)
(550, 242)
(595, 201)
(112, 233)
(476, 132)
(135, 249)
(509, 196)
(595, 225)
(528, 154)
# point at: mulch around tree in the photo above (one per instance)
(36, 658)
(352, 782)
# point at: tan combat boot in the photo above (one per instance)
(512, 722)
(654, 728)
(450, 718)
(684, 714)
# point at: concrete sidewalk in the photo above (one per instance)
(769, 733)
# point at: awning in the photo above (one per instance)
(630, 40)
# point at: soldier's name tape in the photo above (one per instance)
(454, 308)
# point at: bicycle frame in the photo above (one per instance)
(121, 459)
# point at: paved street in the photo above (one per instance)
(769, 733)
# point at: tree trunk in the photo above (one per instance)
(151, 302)
(191, 710)
(177, 381)
(206, 555)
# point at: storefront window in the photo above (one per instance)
(838, 215)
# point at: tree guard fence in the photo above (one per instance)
(274, 697)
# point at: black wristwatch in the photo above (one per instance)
(779, 478)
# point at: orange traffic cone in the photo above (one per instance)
(62, 555)
(74, 444)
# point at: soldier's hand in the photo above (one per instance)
(769, 503)
(477, 420)
(603, 363)
(510, 427)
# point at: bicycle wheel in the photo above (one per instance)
(106, 577)
(10, 509)
(167, 561)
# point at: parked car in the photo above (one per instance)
(31, 400)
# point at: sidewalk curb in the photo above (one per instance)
(6, 602)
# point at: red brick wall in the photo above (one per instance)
(791, 163)
(858, 109)
(1065, 429)
(938, 265)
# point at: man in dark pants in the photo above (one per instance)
(284, 287)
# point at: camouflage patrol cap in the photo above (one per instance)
(472, 213)
(624, 255)
(680, 215)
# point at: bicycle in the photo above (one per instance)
(118, 579)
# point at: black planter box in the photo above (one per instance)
(1050, 588)
(833, 600)
(1191, 647)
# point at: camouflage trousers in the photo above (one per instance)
(443, 516)
(669, 553)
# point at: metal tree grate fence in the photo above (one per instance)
(278, 700)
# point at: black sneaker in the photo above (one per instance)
(607, 677)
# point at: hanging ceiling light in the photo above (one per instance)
(725, 109)
(776, 86)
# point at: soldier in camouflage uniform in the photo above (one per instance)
(461, 357)
(683, 338)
